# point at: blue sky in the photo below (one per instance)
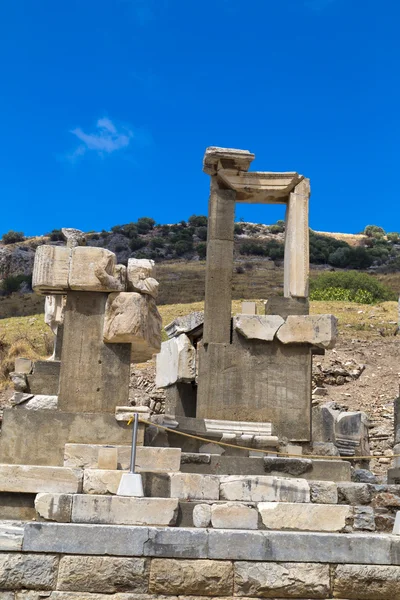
(107, 107)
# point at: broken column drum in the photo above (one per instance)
(242, 373)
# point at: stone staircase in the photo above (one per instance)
(276, 500)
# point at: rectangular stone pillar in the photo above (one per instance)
(297, 258)
(94, 376)
(218, 292)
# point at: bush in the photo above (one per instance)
(198, 221)
(182, 247)
(201, 249)
(201, 233)
(238, 229)
(341, 294)
(353, 282)
(56, 235)
(12, 237)
(145, 224)
(355, 258)
(374, 231)
(393, 237)
(252, 248)
(272, 249)
(279, 227)
(11, 284)
(157, 242)
(136, 244)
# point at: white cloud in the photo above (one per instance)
(105, 140)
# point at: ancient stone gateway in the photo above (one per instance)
(252, 368)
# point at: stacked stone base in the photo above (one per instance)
(67, 562)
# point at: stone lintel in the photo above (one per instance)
(216, 158)
(260, 187)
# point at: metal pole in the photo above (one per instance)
(134, 440)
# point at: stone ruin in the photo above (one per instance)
(243, 523)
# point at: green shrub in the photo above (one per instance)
(201, 249)
(157, 242)
(198, 221)
(238, 229)
(145, 224)
(201, 233)
(12, 237)
(393, 237)
(12, 283)
(374, 231)
(56, 235)
(252, 248)
(182, 247)
(354, 282)
(137, 243)
(279, 227)
(341, 294)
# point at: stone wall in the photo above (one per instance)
(66, 562)
(37, 576)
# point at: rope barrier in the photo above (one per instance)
(237, 447)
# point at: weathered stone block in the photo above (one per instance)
(54, 507)
(140, 277)
(101, 481)
(39, 402)
(258, 327)
(318, 330)
(107, 458)
(364, 518)
(233, 515)
(263, 489)
(396, 527)
(202, 515)
(184, 577)
(351, 433)
(85, 456)
(118, 510)
(354, 493)
(28, 571)
(289, 580)
(51, 269)
(45, 377)
(89, 266)
(304, 517)
(23, 365)
(33, 479)
(132, 318)
(176, 363)
(171, 542)
(367, 582)
(103, 574)
(323, 492)
(85, 539)
(10, 537)
(193, 486)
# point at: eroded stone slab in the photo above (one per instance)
(176, 363)
(132, 318)
(32, 479)
(194, 577)
(85, 456)
(193, 486)
(119, 510)
(91, 268)
(318, 330)
(366, 582)
(304, 517)
(51, 269)
(233, 515)
(11, 537)
(28, 571)
(54, 507)
(263, 489)
(258, 327)
(290, 580)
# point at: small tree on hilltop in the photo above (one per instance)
(374, 231)
(12, 237)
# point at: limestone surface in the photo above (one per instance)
(191, 577)
(147, 458)
(106, 574)
(28, 571)
(194, 486)
(304, 517)
(101, 481)
(132, 318)
(285, 580)
(119, 510)
(202, 515)
(140, 277)
(54, 507)
(51, 269)
(318, 330)
(323, 492)
(263, 489)
(367, 582)
(87, 263)
(32, 479)
(233, 515)
(10, 537)
(176, 362)
(258, 327)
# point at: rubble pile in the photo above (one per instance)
(336, 372)
(142, 388)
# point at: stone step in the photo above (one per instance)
(117, 510)
(11, 536)
(219, 544)
(113, 510)
(303, 468)
(148, 458)
(31, 479)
